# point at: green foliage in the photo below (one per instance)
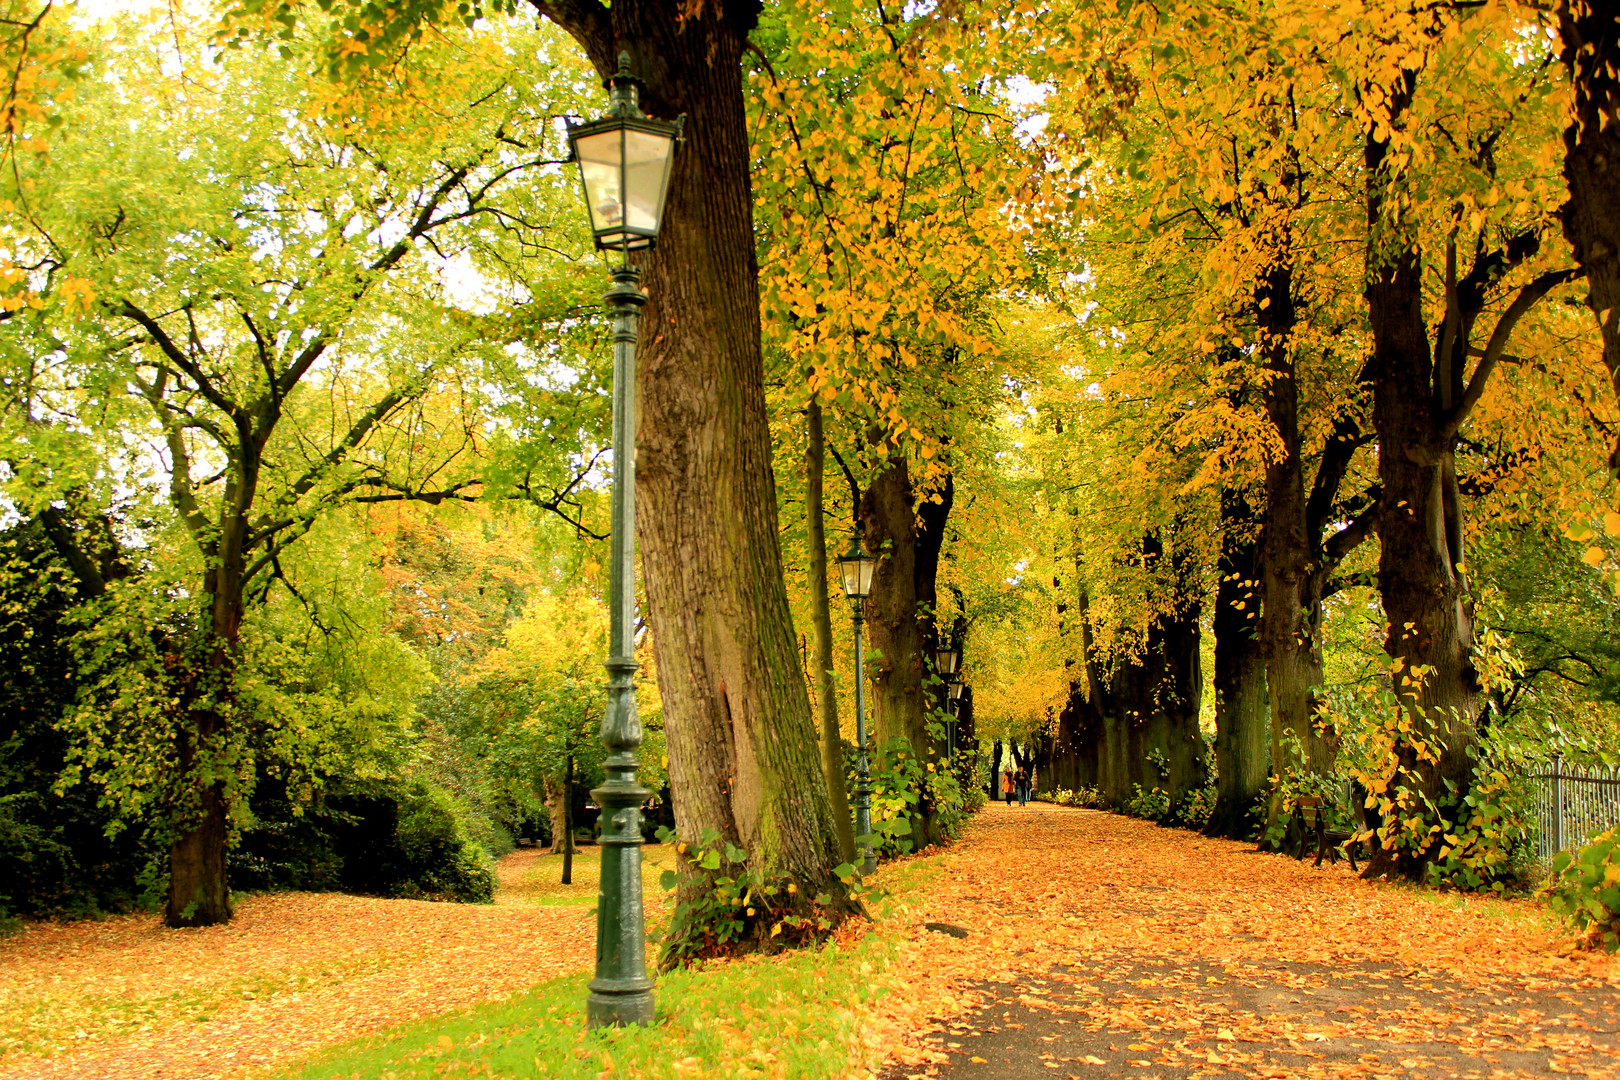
(1153, 804)
(1491, 841)
(56, 859)
(393, 838)
(906, 790)
(722, 905)
(1085, 797)
(1585, 889)
(1195, 808)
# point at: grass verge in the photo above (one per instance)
(797, 1015)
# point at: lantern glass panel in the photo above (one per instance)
(647, 158)
(946, 661)
(857, 570)
(956, 691)
(599, 157)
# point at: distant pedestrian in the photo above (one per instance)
(1007, 786)
(1022, 780)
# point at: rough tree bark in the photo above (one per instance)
(741, 739)
(899, 612)
(1140, 708)
(1589, 31)
(888, 525)
(1241, 739)
(1297, 561)
(1420, 400)
(555, 791)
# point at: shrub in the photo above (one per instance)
(397, 839)
(906, 789)
(1196, 808)
(1153, 804)
(1086, 796)
(736, 909)
(1585, 889)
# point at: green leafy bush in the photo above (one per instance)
(1085, 797)
(1195, 808)
(1585, 889)
(392, 839)
(1153, 804)
(738, 909)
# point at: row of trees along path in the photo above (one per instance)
(1103, 946)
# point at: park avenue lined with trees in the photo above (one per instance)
(1209, 416)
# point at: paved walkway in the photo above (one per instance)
(1101, 946)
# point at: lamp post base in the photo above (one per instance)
(621, 993)
(605, 1008)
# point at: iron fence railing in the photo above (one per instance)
(1573, 802)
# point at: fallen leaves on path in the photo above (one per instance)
(1099, 945)
(292, 973)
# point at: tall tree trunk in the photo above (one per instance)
(1290, 558)
(1590, 34)
(888, 525)
(899, 616)
(1146, 705)
(199, 894)
(1430, 629)
(832, 740)
(742, 742)
(1241, 736)
(557, 810)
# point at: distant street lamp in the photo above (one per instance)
(624, 163)
(948, 661)
(857, 567)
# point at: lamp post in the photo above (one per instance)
(954, 705)
(948, 661)
(857, 568)
(624, 164)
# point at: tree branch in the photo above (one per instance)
(1523, 302)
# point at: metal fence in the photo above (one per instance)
(1574, 802)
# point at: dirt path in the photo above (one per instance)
(1101, 946)
(293, 972)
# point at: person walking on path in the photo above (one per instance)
(1007, 786)
(1023, 788)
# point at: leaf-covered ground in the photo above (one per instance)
(292, 973)
(1092, 946)
(1101, 946)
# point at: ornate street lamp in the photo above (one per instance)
(947, 660)
(624, 162)
(857, 567)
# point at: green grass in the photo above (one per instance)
(795, 1015)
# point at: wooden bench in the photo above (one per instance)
(1313, 819)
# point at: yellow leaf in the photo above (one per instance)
(1611, 523)
(1593, 556)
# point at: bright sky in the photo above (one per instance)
(97, 9)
